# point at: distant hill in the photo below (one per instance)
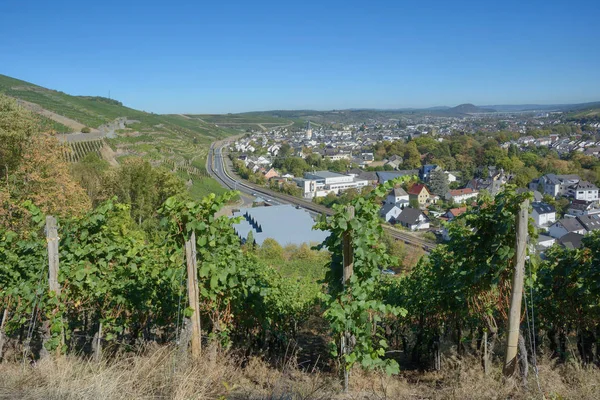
(468, 109)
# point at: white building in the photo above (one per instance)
(413, 219)
(389, 212)
(555, 185)
(461, 195)
(564, 226)
(451, 177)
(583, 190)
(543, 214)
(545, 242)
(397, 195)
(321, 183)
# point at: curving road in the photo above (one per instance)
(217, 165)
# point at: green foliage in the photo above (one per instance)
(354, 309)
(438, 183)
(16, 128)
(271, 250)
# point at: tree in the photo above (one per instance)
(271, 250)
(17, 126)
(33, 168)
(284, 150)
(89, 172)
(438, 182)
(412, 157)
(250, 240)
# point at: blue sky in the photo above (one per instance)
(232, 56)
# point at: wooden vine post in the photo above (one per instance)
(348, 265)
(193, 295)
(517, 291)
(52, 240)
(2, 324)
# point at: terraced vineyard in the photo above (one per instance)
(176, 140)
(76, 151)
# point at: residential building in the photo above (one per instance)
(459, 196)
(397, 195)
(571, 240)
(554, 185)
(389, 212)
(413, 219)
(544, 241)
(581, 207)
(271, 173)
(564, 226)
(451, 177)
(334, 154)
(543, 214)
(454, 212)
(420, 193)
(426, 171)
(583, 190)
(590, 222)
(394, 161)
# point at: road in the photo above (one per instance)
(217, 165)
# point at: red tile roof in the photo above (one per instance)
(417, 188)
(458, 211)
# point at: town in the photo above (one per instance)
(329, 162)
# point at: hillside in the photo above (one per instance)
(179, 142)
(467, 109)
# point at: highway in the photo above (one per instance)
(217, 165)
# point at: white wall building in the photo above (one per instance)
(583, 190)
(461, 195)
(543, 214)
(321, 183)
(564, 226)
(397, 195)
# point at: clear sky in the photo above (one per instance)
(199, 56)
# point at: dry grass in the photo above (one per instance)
(160, 373)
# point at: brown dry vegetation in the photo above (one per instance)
(163, 373)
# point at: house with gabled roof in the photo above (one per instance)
(397, 195)
(564, 226)
(590, 222)
(454, 212)
(543, 213)
(389, 212)
(461, 195)
(583, 190)
(571, 240)
(413, 219)
(420, 193)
